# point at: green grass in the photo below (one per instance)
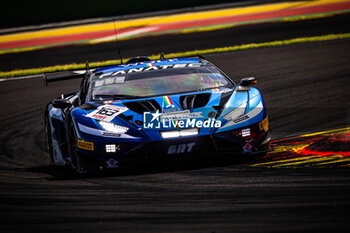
(75, 66)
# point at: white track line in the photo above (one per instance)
(22, 77)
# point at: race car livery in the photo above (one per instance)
(154, 110)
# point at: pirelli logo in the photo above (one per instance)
(264, 124)
(85, 145)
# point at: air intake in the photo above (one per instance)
(143, 106)
(194, 101)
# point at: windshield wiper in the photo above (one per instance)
(118, 96)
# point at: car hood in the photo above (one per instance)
(145, 118)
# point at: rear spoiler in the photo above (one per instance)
(197, 56)
(188, 56)
(65, 75)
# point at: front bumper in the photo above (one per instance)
(184, 147)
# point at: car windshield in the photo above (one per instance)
(157, 82)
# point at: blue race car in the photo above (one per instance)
(153, 110)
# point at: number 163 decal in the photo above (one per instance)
(106, 112)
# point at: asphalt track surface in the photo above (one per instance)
(305, 88)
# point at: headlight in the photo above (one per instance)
(179, 133)
(113, 127)
(237, 112)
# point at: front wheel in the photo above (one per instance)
(48, 137)
(73, 148)
(78, 163)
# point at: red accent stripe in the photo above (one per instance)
(60, 39)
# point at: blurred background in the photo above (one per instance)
(27, 13)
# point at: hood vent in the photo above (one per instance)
(223, 100)
(225, 97)
(194, 101)
(143, 106)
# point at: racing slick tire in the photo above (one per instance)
(48, 137)
(73, 147)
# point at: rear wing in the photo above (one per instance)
(65, 75)
(196, 56)
(71, 74)
(161, 57)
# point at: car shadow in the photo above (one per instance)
(147, 167)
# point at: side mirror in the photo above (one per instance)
(60, 103)
(248, 82)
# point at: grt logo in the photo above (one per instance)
(182, 148)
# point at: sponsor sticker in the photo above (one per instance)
(112, 163)
(242, 118)
(99, 83)
(119, 79)
(180, 115)
(110, 79)
(106, 112)
(180, 149)
(85, 145)
(148, 66)
(247, 148)
(109, 134)
(171, 109)
(264, 124)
